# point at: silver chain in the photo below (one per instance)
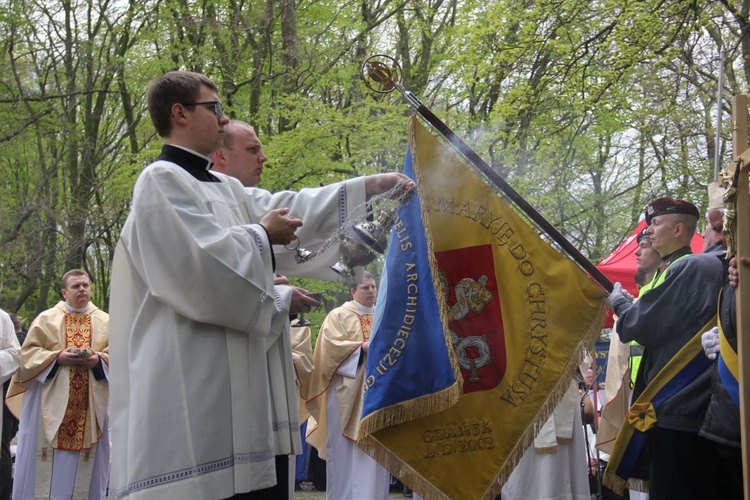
(391, 199)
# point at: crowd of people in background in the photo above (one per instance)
(212, 374)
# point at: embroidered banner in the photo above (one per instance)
(515, 316)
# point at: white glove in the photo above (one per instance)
(618, 295)
(710, 342)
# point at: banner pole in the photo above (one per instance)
(500, 184)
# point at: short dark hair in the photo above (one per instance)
(365, 276)
(169, 89)
(70, 274)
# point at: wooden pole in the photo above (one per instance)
(742, 241)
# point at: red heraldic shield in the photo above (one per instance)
(468, 281)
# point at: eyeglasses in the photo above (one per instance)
(218, 108)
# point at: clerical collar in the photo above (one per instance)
(365, 309)
(77, 309)
(667, 260)
(195, 164)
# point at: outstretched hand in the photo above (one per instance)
(280, 228)
(380, 183)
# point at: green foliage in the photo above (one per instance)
(588, 109)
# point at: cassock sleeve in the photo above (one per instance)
(9, 347)
(323, 210)
(206, 271)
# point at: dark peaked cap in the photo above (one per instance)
(643, 234)
(668, 205)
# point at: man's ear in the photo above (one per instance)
(178, 113)
(679, 229)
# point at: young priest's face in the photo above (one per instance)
(206, 127)
(366, 293)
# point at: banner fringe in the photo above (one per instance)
(442, 299)
(585, 345)
(618, 484)
(400, 469)
(407, 411)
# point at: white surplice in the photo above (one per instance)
(9, 349)
(323, 210)
(203, 392)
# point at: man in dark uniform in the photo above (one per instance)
(681, 301)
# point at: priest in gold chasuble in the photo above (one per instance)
(335, 398)
(62, 389)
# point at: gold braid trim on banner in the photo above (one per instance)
(548, 407)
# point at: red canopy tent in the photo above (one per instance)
(620, 264)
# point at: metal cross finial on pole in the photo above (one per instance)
(382, 74)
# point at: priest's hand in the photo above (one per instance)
(380, 183)
(301, 301)
(84, 358)
(279, 227)
(280, 280)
